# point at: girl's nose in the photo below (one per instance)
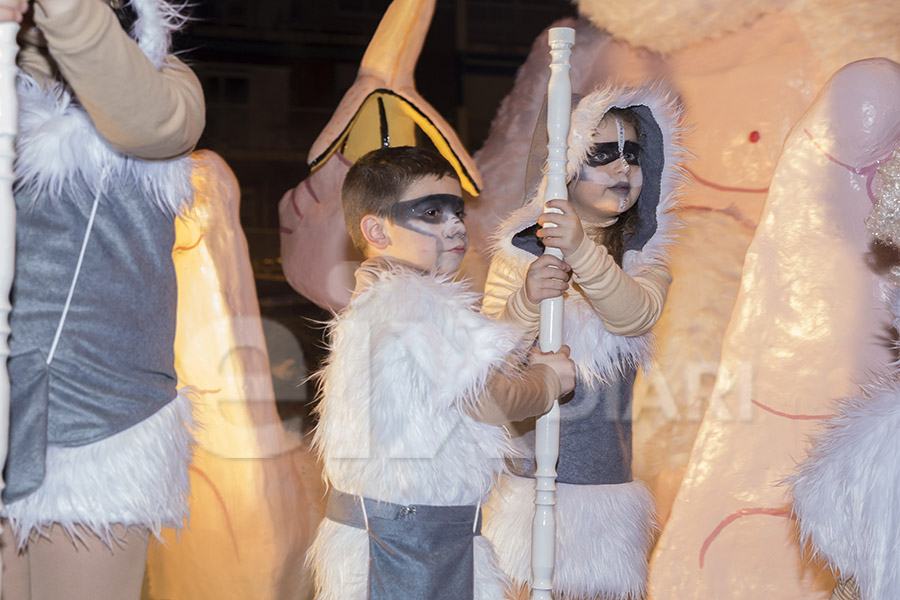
(621, 166)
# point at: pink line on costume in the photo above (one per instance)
(215, 491)
(727, 212)
(868, 171)
(191, 247)
(790, 415)
(286, 230)
(725, 188)
(772, 512)
(294, 203)
(343, 159)
(311, 191)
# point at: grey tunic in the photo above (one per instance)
(114, 362)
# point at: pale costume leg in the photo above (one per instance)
(57, 566)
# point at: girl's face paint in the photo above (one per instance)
(610, 181)
(426, 227)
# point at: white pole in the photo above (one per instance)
(559, 106)
(8, 128)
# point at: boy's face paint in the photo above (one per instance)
(426, 227)
(610, 181)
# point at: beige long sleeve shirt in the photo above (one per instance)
(141, 111)
(627, 305)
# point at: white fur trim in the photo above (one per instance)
(58, 147)
(407, 355)
(340, 558)
(666, 112)
(847, 490)
(137, 477)
(603, 533)
(156, 21)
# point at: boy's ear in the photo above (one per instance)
(373, 230)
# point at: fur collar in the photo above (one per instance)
(406, 356)
(58, 148)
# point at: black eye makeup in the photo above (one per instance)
(607, 152)
(432, 209)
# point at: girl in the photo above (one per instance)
(613, 235)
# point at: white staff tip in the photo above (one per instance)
(561, 34)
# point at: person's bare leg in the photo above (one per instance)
(15, 582)
(88, 569)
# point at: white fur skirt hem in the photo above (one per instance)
(846, 492)
(339, 557)
(136, 477)
(603, 533)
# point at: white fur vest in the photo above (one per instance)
(407, 355)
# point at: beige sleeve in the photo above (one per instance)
(505, 299)
(628, 305)
(514, 397)
(140, 111)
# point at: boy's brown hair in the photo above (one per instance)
(379, 179)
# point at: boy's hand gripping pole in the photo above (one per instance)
(559, 106)
(9, 114)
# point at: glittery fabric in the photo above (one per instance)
(884, 220)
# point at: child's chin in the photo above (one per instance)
(449, 266)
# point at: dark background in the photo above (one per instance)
(273, 71)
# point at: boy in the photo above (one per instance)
(415, 385)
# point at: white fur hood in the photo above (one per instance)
(597, 353)
(658, 204)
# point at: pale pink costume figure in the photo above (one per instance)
(847, 491)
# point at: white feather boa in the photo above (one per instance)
(58, 148)
(407, 356)
(136, 477)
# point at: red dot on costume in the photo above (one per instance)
(754, 137)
